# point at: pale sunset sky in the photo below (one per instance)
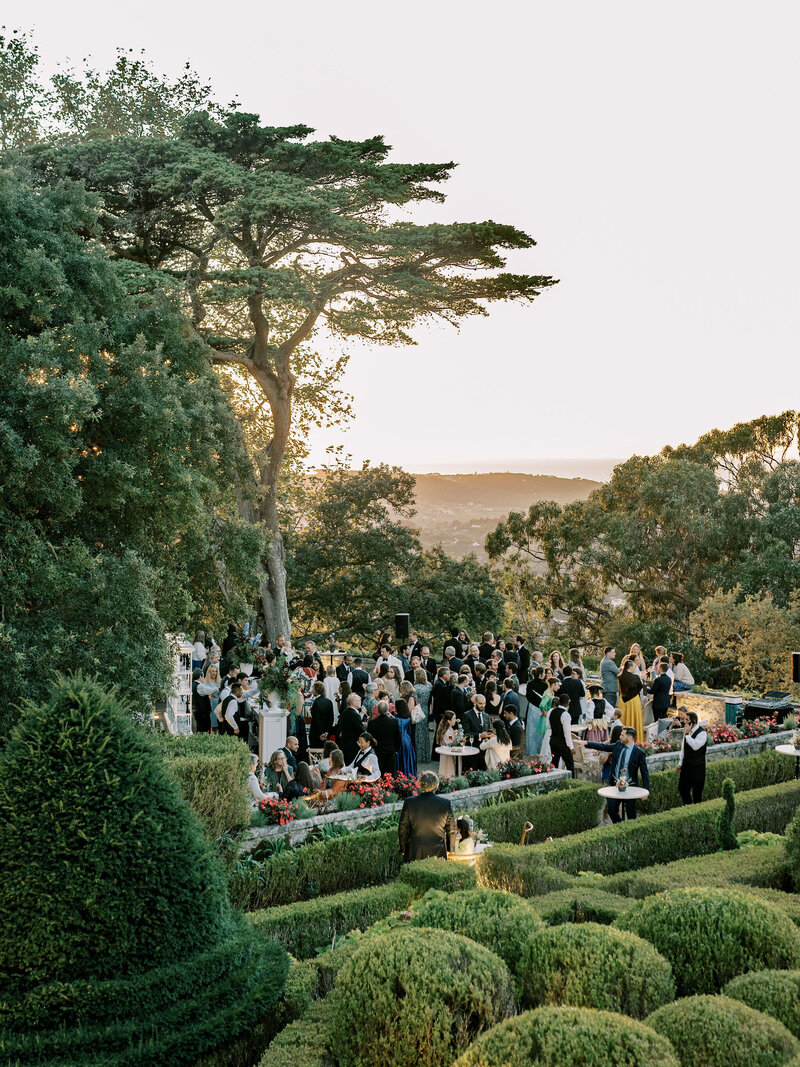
(650, 149)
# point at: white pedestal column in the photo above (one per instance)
(271, 732)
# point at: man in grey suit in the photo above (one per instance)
(427, 825)
(609, 672)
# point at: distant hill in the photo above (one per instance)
(459, 510)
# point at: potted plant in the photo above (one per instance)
(277, 687)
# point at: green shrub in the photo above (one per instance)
(579, 905)
(726, 833)
(671, 835)
(568, 809)
(712, 935)
(752, 772)
(569, 1037)
(304, 927)
(593, 966)
(304, 1043)
(519, 869)
(416, 998)
(793, 850)
(423, 875)
(751, 866)
(776, 993)
(117, 944)
(500, 921)
(788, 903)
(211, 772)
(351, 861)
(721, 1032)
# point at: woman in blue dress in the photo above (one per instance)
(407, 756)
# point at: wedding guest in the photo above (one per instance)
(446, 735)
(277, 774)
(427, 827)
(609, 674)
(350, 727)
(324, 764)
(497, 748)
(407, 756)
(386, 732)
(465, 846)
(332, 684)
(662, 692)
(321, 716)
(692, 761)
(682, 676)
(516, 731)
(257, 794)
(561, 743)
(628, 760)
(630, 688)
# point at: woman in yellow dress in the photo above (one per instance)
(630, 687)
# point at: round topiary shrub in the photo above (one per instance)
(580, 905)
(593, 966)
(117, 942)
(569, 1037)
(720, 1032)
(776, 993)
(500, 921)
(712, 935)
(415, 998)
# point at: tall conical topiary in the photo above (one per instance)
(726, 828)
(117, 943)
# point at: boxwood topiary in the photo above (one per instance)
(500, 921)
(776, 993)
(578, 1037)
(416, 998)
(593, 966)
(719, 1032)
(712, 935)
(580, 905)
(423, 875)
(117, 942)
(519, 870)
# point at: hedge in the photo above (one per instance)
(423, 875)
(416, 998)
(579, 905)
(712, 935)
(757, 865)
(593, 966)
(721, 1032)
(670, 835)
(776, 993)
(793, 851)
(519, 869)
(211, 773)
(558, 1037)
(305, 1042)
(751, 772)
(351, 861)
(567, 809)
(305, 927)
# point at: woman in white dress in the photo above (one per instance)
(445, 735)
(497, 749)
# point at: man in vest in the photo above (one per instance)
(692, 762)
(561, 740)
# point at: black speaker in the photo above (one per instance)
(401, 627)
(796, 666)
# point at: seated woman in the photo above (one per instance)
(682, 679)
(278, 776)
(465, 846)
(331, 784)
(365, 766)
(496, 749)
(257, 794)
(324, 764)
(308, 778)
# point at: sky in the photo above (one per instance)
(650, 149)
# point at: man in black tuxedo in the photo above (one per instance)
(487, 646)
(516, 731)
(573, 688)
(451, 660)
(460, 700)
(415, 664)
(441, 699)
(386, 732)
(427, 825)
(524, 665)
(625, 758)
(350, 728)
(360, 678)
(428, 664)
(661, 689)
(321, 717)
(344, 672)
(477, 722)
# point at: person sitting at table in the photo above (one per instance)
(626, 759)
(365, 766)
(308, 778)
(332, 783)
(257, 794)
(427, 827)
(324, 765)
(277, 774)
(446, 735)
(465, 846)
(497, 747)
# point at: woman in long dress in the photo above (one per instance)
(546, 706)
(407, 756)
(445, 735)
(630, 688)
(419, 719)
(536, 689)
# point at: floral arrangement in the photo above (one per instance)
(276, 811)
(245, 651)
(524, 766)
(756, 727)
(374, 794)
(277, 678)
(723, 733)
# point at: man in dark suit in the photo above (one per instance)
(344, 672)
(386, 732)
(360, 678)
(625, 758)
(441, 699)
(429, 665)
(427, 826)
(461, 700)
(487, 646)
(524, 655)
(510, 698)
(661, 689)
(477, 722)
(451, 660)
(414, 665)
(321, 717)
(572, 688)
(350, 728)
(516, 731)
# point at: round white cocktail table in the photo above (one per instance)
(633, 792)
(464, 750)
(790, 750)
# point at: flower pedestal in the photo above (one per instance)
(271, 732)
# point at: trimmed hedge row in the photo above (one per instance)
(579, 905)
(302, 928)
(750, 772)
(756, 865)
(670, 835)
(567, 809)
(305, 1042)
(556, 1037)
(714, 1031)
(423, 875)
(519, 869)
(211, 773)
(309, 871)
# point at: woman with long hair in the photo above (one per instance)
(278, 774)
(391, 681)
(630, 706)
(546, 704)
(534, 691)
(445, 735)
(407, 756)
(419, 722)
(465, 846)
(497, 749)
(493, 699)
(557, 664)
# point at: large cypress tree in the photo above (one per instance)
(117, 942)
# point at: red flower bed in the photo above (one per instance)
(723, 733)
(277, 811)
(524, 766)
